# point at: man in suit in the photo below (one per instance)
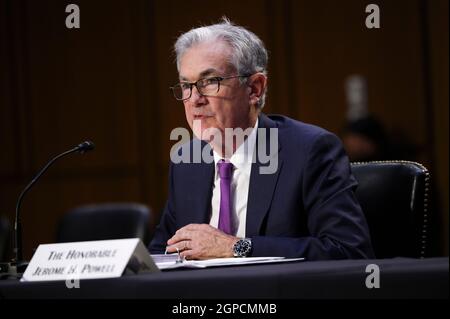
(302, 205)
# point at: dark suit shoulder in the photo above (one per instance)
(294, 133)
(287, 123)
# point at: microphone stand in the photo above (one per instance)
(18, 265)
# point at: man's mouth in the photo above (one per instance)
(200, 117)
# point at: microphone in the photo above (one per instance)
(85, 147)
(19, 262)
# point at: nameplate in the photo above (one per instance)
(89, 260)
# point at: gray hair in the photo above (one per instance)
(249, 54)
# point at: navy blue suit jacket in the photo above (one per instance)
(307, 208)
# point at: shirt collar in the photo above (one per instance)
(243, 156)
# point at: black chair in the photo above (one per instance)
(394, 197)
(105, 221)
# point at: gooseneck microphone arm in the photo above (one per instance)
(81, 148)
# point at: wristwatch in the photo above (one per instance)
(242, 247)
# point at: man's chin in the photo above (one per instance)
(204, 132)
(204, 135)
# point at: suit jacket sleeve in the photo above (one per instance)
(336, 224)
(167, 224)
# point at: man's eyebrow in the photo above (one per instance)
(207, 72)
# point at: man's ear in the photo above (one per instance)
(257, 84)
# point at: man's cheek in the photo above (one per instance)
(188, 114)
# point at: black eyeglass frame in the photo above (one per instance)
(191, 84)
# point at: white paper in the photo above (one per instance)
(171, 261)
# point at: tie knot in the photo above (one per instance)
(225, 169)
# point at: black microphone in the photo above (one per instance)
(19, 262)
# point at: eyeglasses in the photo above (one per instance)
(208, 86)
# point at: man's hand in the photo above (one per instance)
(201, 241)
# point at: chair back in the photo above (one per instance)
(105, 221)
(394, 198)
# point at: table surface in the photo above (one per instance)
(399, 278)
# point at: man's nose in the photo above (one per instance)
(196, 97)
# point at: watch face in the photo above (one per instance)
(242, 248)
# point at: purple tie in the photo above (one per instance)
(225, 173)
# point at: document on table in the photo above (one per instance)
(172, 261)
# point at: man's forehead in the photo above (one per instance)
(205, 59)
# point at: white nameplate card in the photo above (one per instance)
(88, 260)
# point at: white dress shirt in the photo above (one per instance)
(239, 185)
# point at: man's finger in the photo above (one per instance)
(171, 249)
(179, 236)
(180, 246)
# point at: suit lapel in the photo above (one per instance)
(262, 186)
(199, 186)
